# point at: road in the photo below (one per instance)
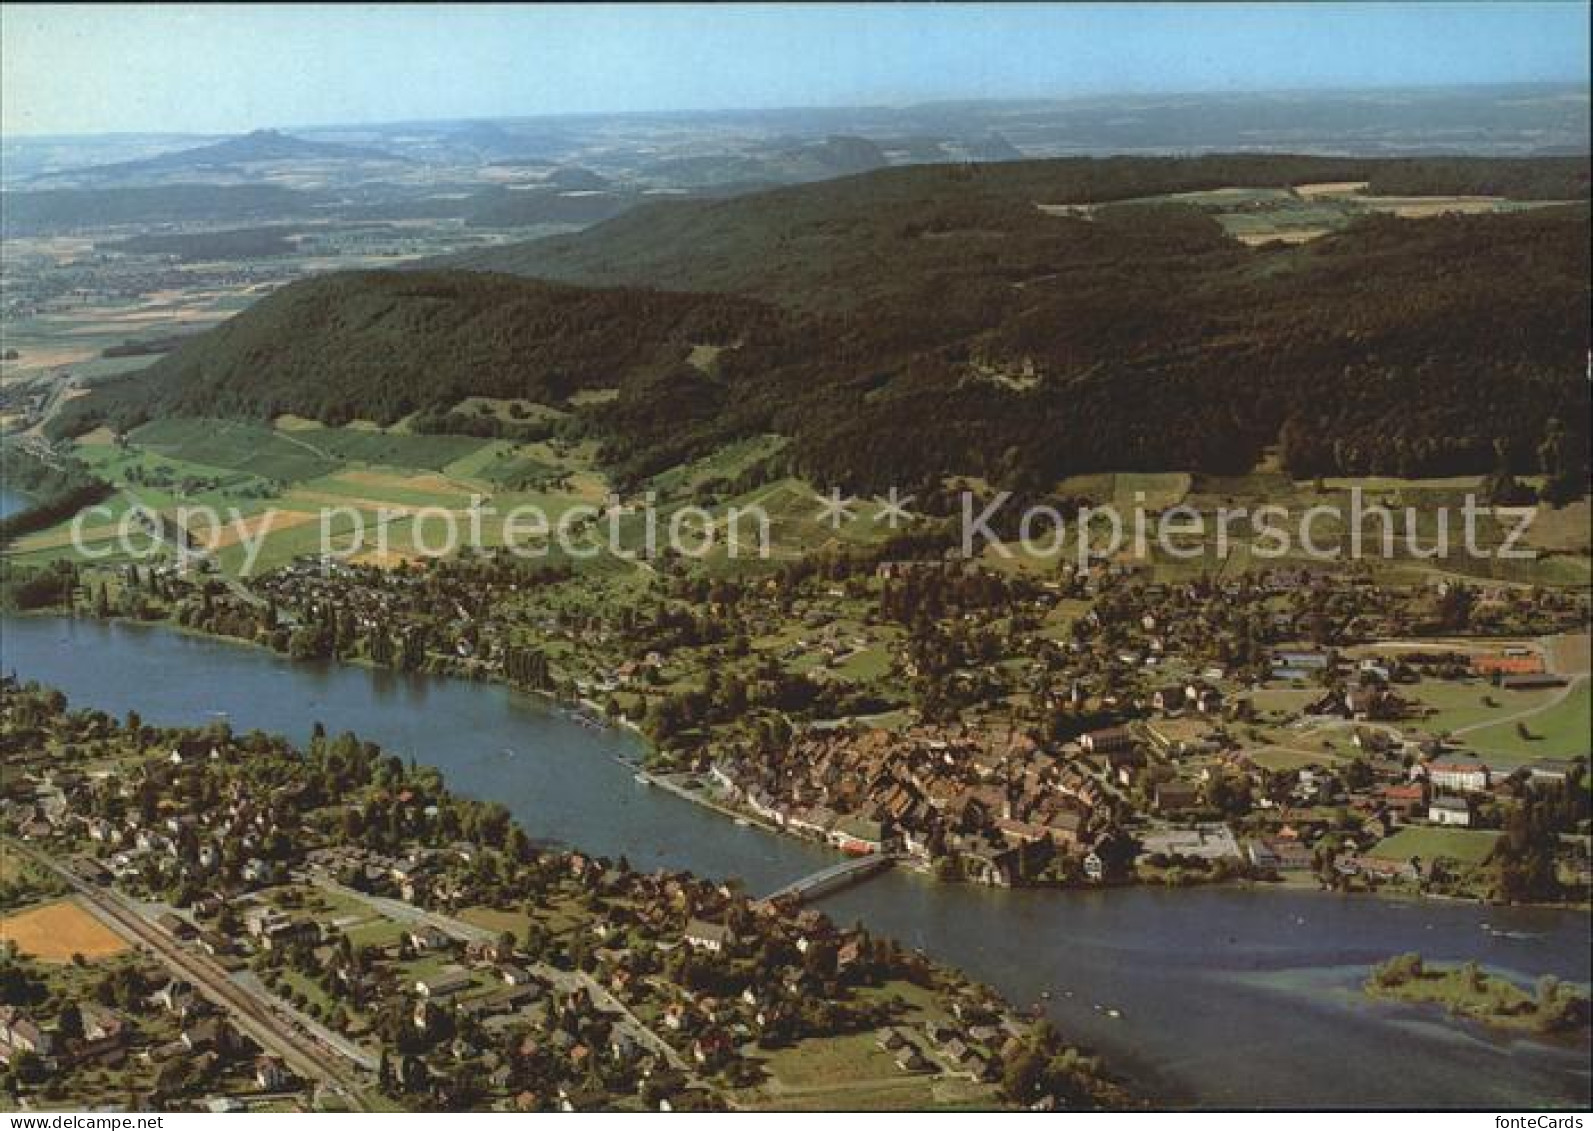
(192, 554)
(564, 981)
(401, 912)
(60, 392)
(255, 1014)
(1560, 696)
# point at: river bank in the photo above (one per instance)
(588, 713)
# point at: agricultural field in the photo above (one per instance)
(56, 932)
(1258, 216)
(274, 482)
(1398, 529)
(82, 307)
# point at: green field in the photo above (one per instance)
(235, 446)
(391, 449)
(1558, 731)
(297, 469)
(1396, 546)
(831, 1063)
(1468, 846)
(300, 466)
(1468, 703)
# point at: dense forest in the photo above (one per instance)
(58, 488)
(230, 243)
(835, 245)
(916, 322)
(381, 345)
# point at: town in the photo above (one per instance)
(1098, 726)
(200, 919)
(567, 559)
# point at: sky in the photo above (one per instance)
(229, 68)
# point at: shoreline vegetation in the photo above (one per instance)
(1551, 1008)
(54, 487)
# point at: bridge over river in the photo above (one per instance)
(835, 877)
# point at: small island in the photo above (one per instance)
(1466, 990)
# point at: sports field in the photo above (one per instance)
(57, 931)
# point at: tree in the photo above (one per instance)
(1563, 459)
(1023, 1074)
(1501, 487)
(1398, 970)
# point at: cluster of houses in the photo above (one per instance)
(236, 841)
(1004, 804)
(641, 926)
(104, 1037)
(715, 974)
(968, 1048)
(995, 799)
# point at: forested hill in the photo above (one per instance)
(840, 244)
(380, 345)
(946, 327)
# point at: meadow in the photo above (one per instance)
(1466, 846)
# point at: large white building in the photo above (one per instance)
(1458, 772)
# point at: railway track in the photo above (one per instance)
(254, 1014)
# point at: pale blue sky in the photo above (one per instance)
(223, 68)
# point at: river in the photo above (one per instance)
(1229, 997)
(12, 501)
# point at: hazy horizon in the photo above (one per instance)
(116, 69)
(1585, 88)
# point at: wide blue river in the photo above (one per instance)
(1228, 998)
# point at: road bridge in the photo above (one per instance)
(835, 877)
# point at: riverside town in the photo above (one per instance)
(992, 560)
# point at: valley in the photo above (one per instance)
(458, 575)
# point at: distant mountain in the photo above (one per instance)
(990, 147)
(522, 207)
(914, 323)
(738, 146)
(775, 162)
(573, 178)
(231, 156)
(841, 156)
(839, 244)
(268, 145)
(916, 150)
